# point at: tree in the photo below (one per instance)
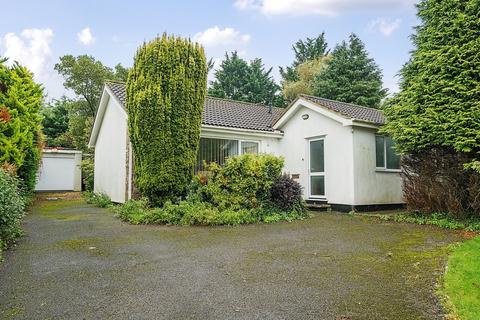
(351, 76)
(239, 80)
(20, 139)
(438, 105)
(306, 73)
(305, 50)
(165, 96)
(55, 121)
(86, 76)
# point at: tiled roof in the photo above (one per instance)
(223, 112)
(349, 110)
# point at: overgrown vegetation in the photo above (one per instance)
(20, 146)
(12, 208)
(100, 200)
(434, 117)
(462, 281)
(165, 96)
(248, 189)
(441, 220)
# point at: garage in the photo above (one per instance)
(60, 170)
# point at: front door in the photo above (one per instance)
(317, 168)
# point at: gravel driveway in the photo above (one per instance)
(79, 262)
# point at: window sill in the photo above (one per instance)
(388, 170)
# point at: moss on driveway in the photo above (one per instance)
(77, 261)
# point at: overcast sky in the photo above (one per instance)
(36, 33)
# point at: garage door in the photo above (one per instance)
(58, 172)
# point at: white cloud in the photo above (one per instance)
(214, 37)
(86, 37)
(385, 26)
(32, 49)
(316, 7)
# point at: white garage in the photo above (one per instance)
(60, 170)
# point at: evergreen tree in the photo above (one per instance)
(305, 50)
(165, 96)
(20, 139)
(438, 105)
(351, 76)
(239, 80)
(55, 121)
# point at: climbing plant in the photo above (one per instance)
(165, 95)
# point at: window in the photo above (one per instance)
(218, 150)
(385, 156)
(249, 147)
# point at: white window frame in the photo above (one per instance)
(384, 168)
(251, 141)
(316, 174)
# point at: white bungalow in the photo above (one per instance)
(332, 148)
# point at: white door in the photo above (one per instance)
(316, 148)
(57, 173)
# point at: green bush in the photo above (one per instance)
(166, 90)
(87, 174)
(244, 181)
(12, 208)
(100, 200)
(238, 193)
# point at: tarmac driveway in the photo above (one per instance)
(79, 262)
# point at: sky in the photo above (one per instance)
(36, 33)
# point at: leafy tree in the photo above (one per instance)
(351, 76)
(20, 139)
(165, 95)
(306, 73)
(438, 105)
(239, 80)
(305, 50)
(55, 121)
(86, 76)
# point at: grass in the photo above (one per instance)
(462, 280)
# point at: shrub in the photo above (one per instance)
(132, 211)
(244, 182)
(20, 139)
(12, 208)
(165, 96)
(87, 174)
(436, 181)
(100, 200)
(286, 193)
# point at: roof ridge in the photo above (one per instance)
(114, 81)
(242, 102)
(336, 101)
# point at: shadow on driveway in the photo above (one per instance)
(79, 262)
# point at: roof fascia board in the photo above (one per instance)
(301, 102)
(248, 132)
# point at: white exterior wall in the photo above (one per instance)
(373, 186)
(60, 170)
(111, 152)
(338, 148)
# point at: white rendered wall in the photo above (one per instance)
(338, 148)
(373, 186)
(110, 153)
(60, 171)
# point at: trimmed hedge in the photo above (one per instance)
(165, 96)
